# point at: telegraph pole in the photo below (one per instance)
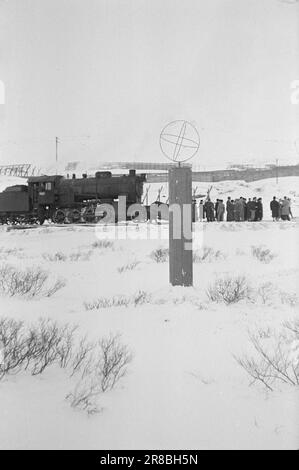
(56, 148)
(276, 170)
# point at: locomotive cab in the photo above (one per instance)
(43, 194)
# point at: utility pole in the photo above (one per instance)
(276, 170)
(56, 146)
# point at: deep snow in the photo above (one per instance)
(184, 388)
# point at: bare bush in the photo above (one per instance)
(262, 254)
(13, 342)
(82, 356)
(276, 364)
(102, 368)
(77, 256)
(207, 255)
(34, 348)
(106, 244)
(6, 252)
(80, 256)
(84, 396)
(99, 365)
(229, 290)
(113, 365)
(288, 298)
(58, 256)
(160, 255)
(51, 344)
(31, 282)
(128, 267)
(108, 302)
(293, 326)
(51, 290)
(266, 292)
(139, 298)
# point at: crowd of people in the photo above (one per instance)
(242, 209)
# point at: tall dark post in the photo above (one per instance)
(180, 226)
(56, 152)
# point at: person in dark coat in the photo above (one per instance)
(274, 206)
(254, 200)
(216, 207)
(230, 210)
(209, 210)
(245, 208)
(259, 210)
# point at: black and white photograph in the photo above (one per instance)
(149, 227)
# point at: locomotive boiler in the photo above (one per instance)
(68, 200)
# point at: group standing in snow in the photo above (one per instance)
(242, 209)
(281, 209)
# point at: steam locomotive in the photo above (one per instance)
(68, 200)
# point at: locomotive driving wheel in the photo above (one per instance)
(59, 216)
(73, 216)
(89, 215)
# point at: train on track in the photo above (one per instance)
(68, 199)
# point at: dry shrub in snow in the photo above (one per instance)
(106, 244)
(262, 254)
(58, 256)
(208, 255)
(80, 256)
(6, 252)
(139, 298)
(270, 294)
(229, 290)
(98, 366)
(288, 298)
(266, 292)
(34, 348)
(77, 256)
(103, 365)
(128, 267)
(108, 302)
(31, 282)
(277, 363)
(160, 255)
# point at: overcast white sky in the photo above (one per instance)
(106, 75)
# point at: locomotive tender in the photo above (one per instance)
(67, 200)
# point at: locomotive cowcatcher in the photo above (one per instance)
(68, 200)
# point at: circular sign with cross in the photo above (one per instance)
(179, 141)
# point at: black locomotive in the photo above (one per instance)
(67, 200)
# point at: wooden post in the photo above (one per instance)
(180, 227)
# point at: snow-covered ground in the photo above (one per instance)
(184, 388)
